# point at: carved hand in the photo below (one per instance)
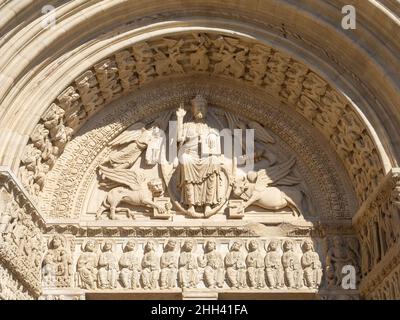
(181, 112)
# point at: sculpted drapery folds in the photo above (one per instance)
(107, 266)
(292, 266)
(150, 267)
(57, 263)
(235, 265)
(199, 155)
(311, 265)
(255, 266)
(273, 266)
(203, 175)
(213, 263)
(154, 268)
(87, 266)
(169, 266)
(188, 266)
(129, 264)
(340, 253)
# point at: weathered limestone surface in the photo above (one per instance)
(91, 206)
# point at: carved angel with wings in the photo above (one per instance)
(258, 189)
(133, 189)
(134, 141)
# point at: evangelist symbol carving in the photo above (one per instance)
(200, 163)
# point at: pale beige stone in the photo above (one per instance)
(88, 212)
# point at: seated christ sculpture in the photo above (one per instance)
(199, 158)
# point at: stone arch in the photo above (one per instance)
(313, 68)
(262, 66)
(332, 197)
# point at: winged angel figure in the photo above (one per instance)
(259, 188)
(134, 141)
(128, 185)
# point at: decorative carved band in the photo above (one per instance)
(72, 182)
(265, 264)
(212, 54)
(20, 237)
(377, 224)
(150, 231)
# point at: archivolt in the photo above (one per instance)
(213, 52)
(71, 182)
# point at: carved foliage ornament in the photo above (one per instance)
(220, 55)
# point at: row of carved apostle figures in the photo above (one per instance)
(283, 266)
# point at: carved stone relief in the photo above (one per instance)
(99, 158)
(205, 183)
(57, 263)
(219, 55)
(377, 225)
(11, 288)
(21, 242)
(341, 252)
(215, 264)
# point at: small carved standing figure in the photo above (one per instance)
(311, 265)
(236, 266)
(188, 267)
(8, 217)
(108, 265)
(292, 266)
(255, 266)
(150, 267)
(273, 266)
(86, 267)
(57, 263)
(169, 266)
(337, 257)
(129, 264)
(213, 266)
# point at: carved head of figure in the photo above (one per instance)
(210, 246)
(130, 246)
(308, 245)
(240, 186)
(107, 246)
(156, 187)
(170, 245)
(253, 245)
(90, 246)
(149, 246)
(252, 176)
(188, 245)
(337, 242)
(199, 107)
(288, 245)
(236, 246)
(56, 242)
(273, 245)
